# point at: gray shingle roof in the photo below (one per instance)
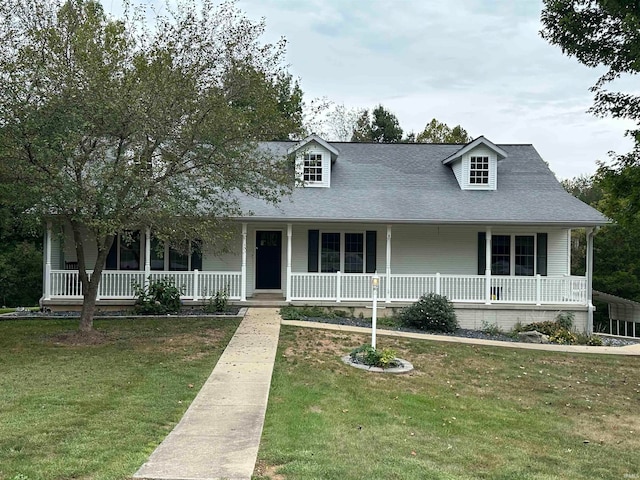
(407, 183)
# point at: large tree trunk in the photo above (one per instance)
(89, 285)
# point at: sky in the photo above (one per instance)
(478, 63)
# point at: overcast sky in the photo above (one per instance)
(481, 64)
(478, 63)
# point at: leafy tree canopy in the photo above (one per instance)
(111, 124)
(599, 33)
(382, 127)
(439, 132)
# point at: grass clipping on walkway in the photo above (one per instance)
(466, 412)
(95, 407)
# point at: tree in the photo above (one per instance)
(382, 127)
(385, 127)
(110, 124)
(599, 32)
(439, 132)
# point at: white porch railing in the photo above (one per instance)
(337, 287)
(118, 284)
(536, 290)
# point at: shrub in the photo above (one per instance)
(367, 355)
(218, 303)
(158, 298)
(491, 328)
(565, 320)
(432, 312)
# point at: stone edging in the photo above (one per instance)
(404, 367)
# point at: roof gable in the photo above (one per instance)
(315, 138)
(501, 154)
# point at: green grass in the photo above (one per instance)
(466, 412)
(97, 411)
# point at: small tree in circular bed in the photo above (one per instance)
(432, 312)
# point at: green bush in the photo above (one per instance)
(565, 320)
(158, 298)
(218, 303)
(432, 312)
(367, 355)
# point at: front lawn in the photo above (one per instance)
(97, 409)
(466, 412)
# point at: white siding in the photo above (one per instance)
(557, 248)
(433, 249)
(457, 171)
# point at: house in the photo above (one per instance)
(486, 225)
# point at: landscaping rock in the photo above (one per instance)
(533, 337)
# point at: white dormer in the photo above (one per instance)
(313, 160)
(475, 165)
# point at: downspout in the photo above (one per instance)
(589, 274)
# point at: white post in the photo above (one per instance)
(589, 275)
(387, 288)
(437, 283)
(569, 242)
(196, 285)
(147, 256)
(47, 265)
(374, 316)
(289, 233)
(487, 270)
(538, 289)
(243, 274)
(338, 285)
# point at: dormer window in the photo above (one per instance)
(479, 170)
(312, 168)
(475, 165)
(313, 160)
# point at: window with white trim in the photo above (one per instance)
(165, 257)
(312, 167)
(522, 257)
(479, 170)
(125, 252)
(342, 252)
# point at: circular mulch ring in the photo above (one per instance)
(403, 366)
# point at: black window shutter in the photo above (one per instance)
(314, 247)
(372, 237)
(112, 256)
(482, 255)
(541, 254)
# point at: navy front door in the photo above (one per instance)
(268, 260)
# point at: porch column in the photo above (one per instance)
(387, 289)
(589, 277)
(289, 231)
(243, 272)
(147, 256)
(569, 242)
(47, 265)
(487, 270)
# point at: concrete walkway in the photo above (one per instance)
(627, 350)
(219, 435)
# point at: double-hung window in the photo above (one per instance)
(165, 257)
(342, 252)
(479, 170)
(312, 167)
(125, 252)
(518, 255)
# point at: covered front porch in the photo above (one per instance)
(307, 263)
